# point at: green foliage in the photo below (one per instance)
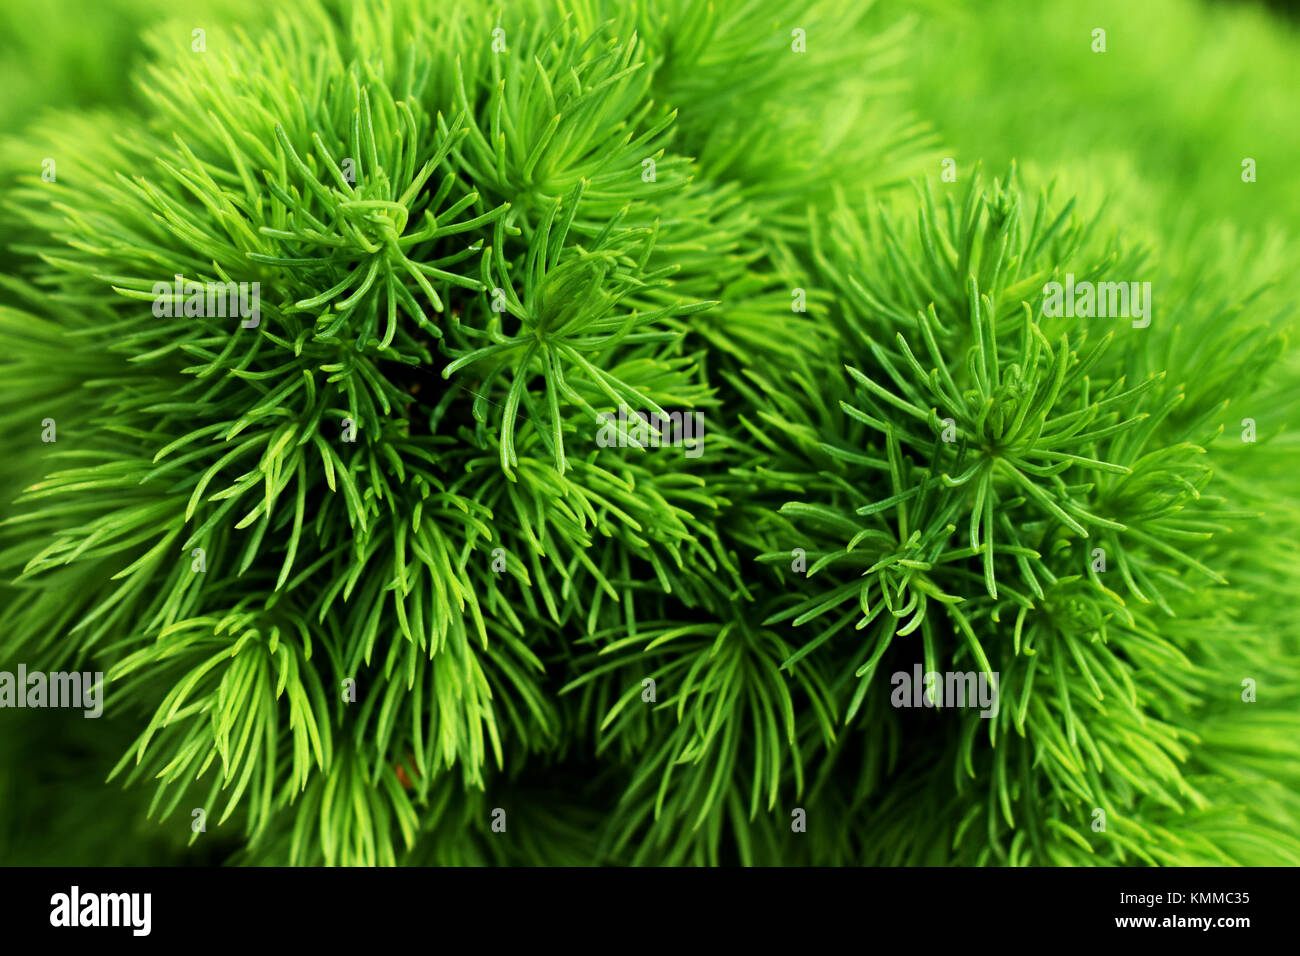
(361, 575)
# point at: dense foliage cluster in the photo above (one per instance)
(361, 576)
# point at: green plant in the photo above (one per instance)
(361, 576)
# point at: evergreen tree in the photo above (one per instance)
(391, 570)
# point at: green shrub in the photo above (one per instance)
(373, 571)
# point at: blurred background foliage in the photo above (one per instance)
(1185, 90)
